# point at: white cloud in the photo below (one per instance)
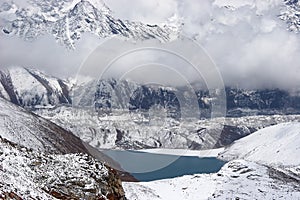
(45, 54)
(152, 12)
(249, 44)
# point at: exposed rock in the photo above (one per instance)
(28, 174)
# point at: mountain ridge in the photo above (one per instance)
(33, 89)
(68, 23)
(143, 116)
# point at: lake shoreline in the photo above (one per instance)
(158, 164)
(184, 152)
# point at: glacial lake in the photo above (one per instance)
(152, 166)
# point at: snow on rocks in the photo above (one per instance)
(238, 179)
(28, 174)
(264, 165)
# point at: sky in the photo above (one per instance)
(246, 41)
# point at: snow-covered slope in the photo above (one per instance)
(277, 145)
(26, 174)
(32, 89)
(264, 165)
(32, 131)
(238, 179)
(121, 131)
(124, 114)
(67, 20)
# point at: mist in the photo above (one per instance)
(247, 41)
(249, 45)
(46, 54)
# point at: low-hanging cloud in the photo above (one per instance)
(46, 54)
(245, 38)
(249, 43)
(152, 12)
(253, 50)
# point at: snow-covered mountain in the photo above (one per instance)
(32, 131)
(243, 102)
(68, 20)
(107, 94)
(277, 145)
(39, 134)
(285, 10)
(291, 15)
(120, 130)
(33, 89)
(264, 165)
(124, 114)
(179, 102)
(27, 174)
(32, 164)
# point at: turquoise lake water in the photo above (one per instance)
(149, 166)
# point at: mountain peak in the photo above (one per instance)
(68, 21)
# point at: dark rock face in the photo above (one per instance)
(239, 102)
(232, 133)
(268, 101)
(106, 95)
(103, 97)
(260, 99)
(7, 84)
(291, 2)
(145, 97)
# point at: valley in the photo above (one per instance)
(149, 100)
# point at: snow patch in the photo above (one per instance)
(277, 145)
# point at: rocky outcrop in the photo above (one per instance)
(28, 174)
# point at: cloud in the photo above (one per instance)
(45, 54)
(152, 12)
(249, 44)
(172, 63)
(245, 38)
